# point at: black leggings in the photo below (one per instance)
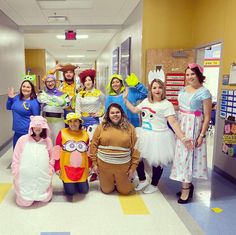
(156, 173)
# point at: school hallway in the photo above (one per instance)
(123, 37)
(98, 214)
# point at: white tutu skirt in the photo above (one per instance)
(157, 147)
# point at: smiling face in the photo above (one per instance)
(115, 115)
(50, 83)
(37, 130)
(74, 124)
(157, 91)
(69, 76)
(116, 85)
(88, 83)
(26, 89)
(191, 78)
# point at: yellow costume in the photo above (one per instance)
(73, 156)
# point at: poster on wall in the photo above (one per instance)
(115, 61)
(125, 54)
(232, 75)
(229, 138)
(225, 80)
(228, 104)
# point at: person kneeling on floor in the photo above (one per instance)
(71, 156)
(112, 151)
(32, 164)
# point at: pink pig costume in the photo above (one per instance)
(32, 166)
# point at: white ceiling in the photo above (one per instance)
(99, 19)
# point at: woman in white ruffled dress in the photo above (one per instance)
(194, 115)
(156, 142)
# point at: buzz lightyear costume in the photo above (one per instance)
(53, 103)
(67, 87)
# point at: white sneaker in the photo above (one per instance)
(141, 185)
(150, 189)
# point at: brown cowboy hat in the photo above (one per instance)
(68, 67)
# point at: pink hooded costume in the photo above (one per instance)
(32, 166)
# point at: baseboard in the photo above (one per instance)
(224, 174)
(6, 146)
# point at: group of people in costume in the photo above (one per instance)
(111, 135)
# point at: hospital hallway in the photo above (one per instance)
(212, 210)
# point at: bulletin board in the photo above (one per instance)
(165, 57)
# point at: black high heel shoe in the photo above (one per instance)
(190, 195)
(178, 194)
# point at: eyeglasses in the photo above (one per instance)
(49, 82)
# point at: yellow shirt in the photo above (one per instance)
(70, 90)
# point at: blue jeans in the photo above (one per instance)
(15, 138)
(73, 188)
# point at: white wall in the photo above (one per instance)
(12, 60)
(12, 66)
(131, 28)
(50, 61)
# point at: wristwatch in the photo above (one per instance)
(203, 136)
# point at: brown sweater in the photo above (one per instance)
(112, 136)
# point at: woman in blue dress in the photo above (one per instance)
(194, 116)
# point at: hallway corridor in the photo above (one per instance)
(98, 214)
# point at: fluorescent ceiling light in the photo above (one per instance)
(65, 4)
(77, 63)
(82, 36)
(59, 19)
(75, 56)
(62, 36)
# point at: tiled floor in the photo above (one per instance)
(96, 213)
